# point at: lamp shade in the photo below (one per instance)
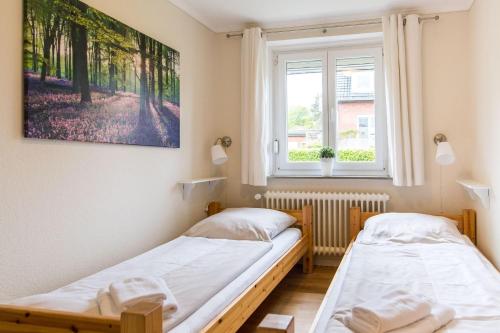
(445, 154)
(219, 156)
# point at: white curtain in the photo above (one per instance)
(403, 77)
(254, 108)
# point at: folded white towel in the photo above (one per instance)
(170, 305)
(126, 293)
(393, 310)
(131, 291)
(439, 317)
(107, 306)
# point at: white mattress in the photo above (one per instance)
(454, 274)
(205, 275)
(281, 243)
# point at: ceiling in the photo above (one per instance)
(234, 15)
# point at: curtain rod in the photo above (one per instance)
(325, 28)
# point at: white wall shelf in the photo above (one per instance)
(189, 184)
(477, 190)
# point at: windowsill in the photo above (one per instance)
(330, 177)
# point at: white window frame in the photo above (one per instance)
(328, 55)
(281, 104)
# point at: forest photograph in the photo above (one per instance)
(88, 77)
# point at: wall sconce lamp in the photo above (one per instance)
(219, 155)
(444, 156)
(444, 153)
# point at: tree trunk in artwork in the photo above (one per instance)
(135, 78)
(174, 80)
(95, 58)
(167, 74)
(124, 76)
(70, 59)
(45, 58)
(144, 91)
(58, 55)
(112, 72)
(159, 66)
(34, 50)
(82, 65)
(172, 76)
(74, 58)
(53, 57)
(99, 66)
(152, 93)
(66, 58)
(90, 60)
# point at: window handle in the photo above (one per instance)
(276, 146)
(332, 115)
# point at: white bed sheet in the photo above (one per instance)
(199, 319)
(192, 268)
(454, 274)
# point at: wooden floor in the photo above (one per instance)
(298, 294)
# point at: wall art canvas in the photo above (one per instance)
(89, 77)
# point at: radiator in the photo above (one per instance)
(330, 214)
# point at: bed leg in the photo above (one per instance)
(307, 261)
(142, 318)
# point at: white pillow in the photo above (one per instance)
(243, 224)
(410, 228)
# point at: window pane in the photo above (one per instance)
(304, 110)
(355, 94)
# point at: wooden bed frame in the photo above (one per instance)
(466, 224)
(147, 317)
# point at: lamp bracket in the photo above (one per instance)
(438, 138)
(225, 141)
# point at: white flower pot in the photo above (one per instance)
(327, 166)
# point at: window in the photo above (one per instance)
(329, 97)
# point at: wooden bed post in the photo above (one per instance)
(354, 221)
(142, 318)
(307, 261)
(214, 207)
(469, 218)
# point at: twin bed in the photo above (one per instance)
(435, 259)
(219, 282)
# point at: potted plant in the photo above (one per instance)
(326, 155)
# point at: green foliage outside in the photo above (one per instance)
(301, 117)
(347, 155)
(349, 134)
(353, 155)
(303, 155)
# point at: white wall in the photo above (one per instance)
(446, 99)
(69, 209)
(485, 88)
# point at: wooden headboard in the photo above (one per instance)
(466, 223)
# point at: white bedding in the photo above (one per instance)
(281, 243)
(454, 274)
(205, 275)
